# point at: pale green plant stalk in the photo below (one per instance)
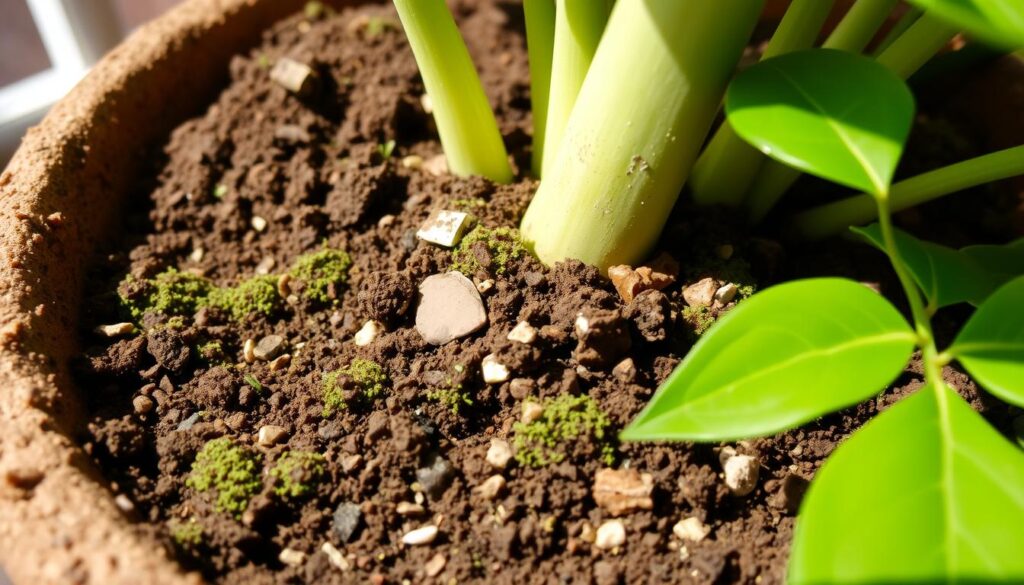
(578, 28)
(901, 26)
(727, 167)
(636, 129)
(834, 218)
(926, 37)
(859, 25)
(540, 41)
(465, 122)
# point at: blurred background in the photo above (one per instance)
(45, 48)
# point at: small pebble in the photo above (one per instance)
(385, 221)
(520, 388)
(436, 165)
(269, 347)
(726, 293)
(115, 330)
(450, 307)
(368, 333)
(691, 529)
(436, 476)
(532, 412)
(270, 435)
(484, 286)
(292, 75)
(266, 265)
(249, 351)
(523, 332)
(435, 565)
(701, 293)
(258, 223)
(741, 472)
(419, 536)
(351, 462)
(494, 372)
(335, 557)
(413, 161)
(197, 254)
(124, 503)
(292, 557)
(345, 520)
(427, 104)
(621, 491)
(143, 404)
(625, 370)
(611, 534)
(499, 453)
(280, 362)
(409, 509)
(491, 488)
(444, 227)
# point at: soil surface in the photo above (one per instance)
(266, 176)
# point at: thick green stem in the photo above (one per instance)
(578, 28)
(859, 25)
(901, 26)
(727, 167)
(466, 125)
(638, 123)
(540, 42)
(905, 56)
(836, 217)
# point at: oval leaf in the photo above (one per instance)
(945, 276)
(781, 358)
(927, 492)
(830, 113)
(1000, 22)
(991, 344)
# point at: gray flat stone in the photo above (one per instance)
(450, 307)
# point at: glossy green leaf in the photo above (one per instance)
(997, 21)
(927, 492)
(783, 357)
(945, 276)
(991, 344)
(834, 114)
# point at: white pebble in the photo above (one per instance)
(444, 227)
(423, 535)
(610, 535)
(532, 412)
(427, 104)
(334, 555)
(290, 556)
(270, 435)
(499, 453)
(523, 332)
(484, 285)
(435, 565)
(494, 371)
(115, 330)
(292, 75)
(409, 509)
(385, 221)
(491, 488)
(741, 472)
(449, 308)
(691, 529)
(726, 293)
(413, 161)
(369, 332)
(197, 254)
(258, 223)
(582, 324)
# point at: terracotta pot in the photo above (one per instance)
(61, 193)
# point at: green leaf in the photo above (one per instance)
(945, 276)
(837, 115)
(991, 344)
(1000, 22)
(783, 357)
(1007, 259)
(926, 492)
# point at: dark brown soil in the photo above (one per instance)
(311, 168)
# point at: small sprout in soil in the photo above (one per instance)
(453, 396)
(322, 274)
(220, 191)
(170, 292)
(230, 470)
(386, 149)
(566, 418)
(187, 535)
(252, 381)
(256, 295)
(362, 380)
(297, 473)
(487, 250)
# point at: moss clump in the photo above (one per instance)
(187, 535)
(565, 419)
(231, 470)
(361, 380)
(453, 396)
(297, 473)
(212, 352)
(700, 319)
(487, 250)
(322, 274)
(170, 292)
(257, 295)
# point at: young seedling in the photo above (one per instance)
(815, 346)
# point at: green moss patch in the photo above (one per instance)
(229, 470)
(258, 295)
(322, 274)
(452, 396)
(362, 380)
(566, 419)
(170, 292)
(487, 250)
(297, 473)
(187, 535)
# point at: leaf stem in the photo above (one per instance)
(833, 218)
(859, 25)
(540, 41)
(901, 26)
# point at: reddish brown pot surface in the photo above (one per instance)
(58, 522)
